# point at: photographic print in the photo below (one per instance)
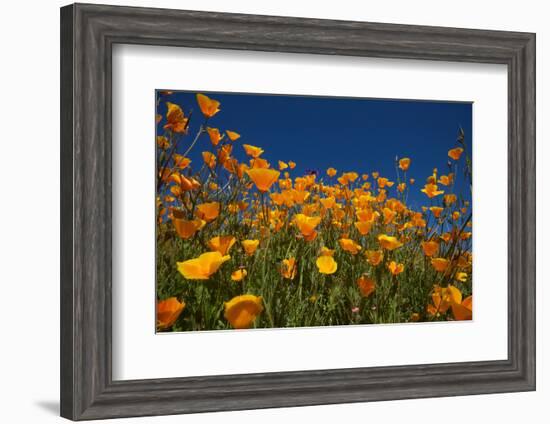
(278, 211)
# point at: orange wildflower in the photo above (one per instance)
(253, 151)
(374, 256)
(250, 246)
(326, 264)
(289, 268)
(440, 264)
(436, 210)
(389, 242)
(306, 224)
(215, 136)
(456, 153)
(431, 190)
(430, 248)
(187, 228)
(209, 107)
(349, 246)
(263, 178)
(221, 244)
(366, 285)
(203, 267)
(232, 135)
(239, 275)
(209, 159)
(242, 311)
(396, 268)
(175, 119)
(404, 164)
(208, 211)
(181, 161)
(168, 311)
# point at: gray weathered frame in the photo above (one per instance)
(88, 33)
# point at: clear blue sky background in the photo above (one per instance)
(349, 134)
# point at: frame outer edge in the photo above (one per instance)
(67, 382)
(529, 185)
(87, 390)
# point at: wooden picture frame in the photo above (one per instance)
(88, 33)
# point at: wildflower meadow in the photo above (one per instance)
(245, 239)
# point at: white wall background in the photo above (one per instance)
(29, 213)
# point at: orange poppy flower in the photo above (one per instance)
(389, 215)
(328, 202)
(463, 311)
(349, 246)
(239, 275)
(404, 163)
(187, 228)
(163, 142)
(366, 215)
(461, 276)
(221, 244)
(446, 179)
(241, 311)
(431, 190)
(396, 268)
(263, 178)
(440, 264)
(232, 135)
(430, 247)
(389, 242)
(209, 159)
(209, 107)
(282, 165)
(331, 172)
(456, 153)
(252, 151)
(443, 299)
(289, 268)
(175, 119)
(291, 164)
(326, 264)
(449, 199)
(259, 163)
(208, 211)
(168, 311)
(181, 161)
(366, 286)
(363, 227)
(374, 256)
(436, 210)
(224, 153)
(215, 136)
(383, 182)
(306, 224)
(184, 183)
(250, 246)
(203, 267)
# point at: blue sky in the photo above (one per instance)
(349, 134)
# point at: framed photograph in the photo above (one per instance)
(264, 212)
